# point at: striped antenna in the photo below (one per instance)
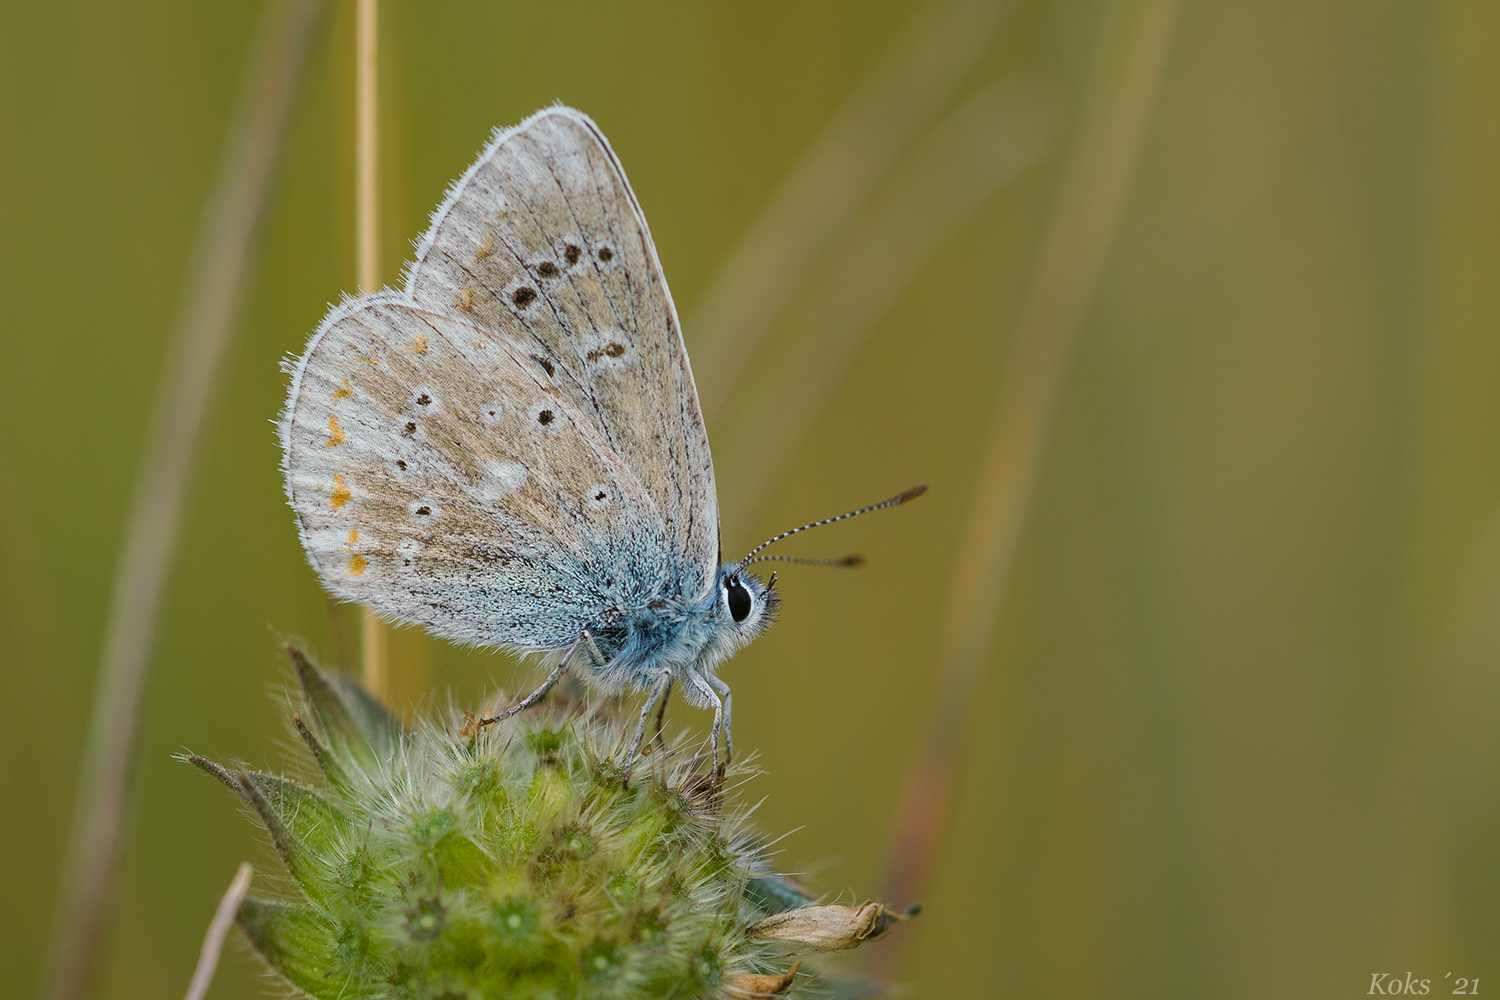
(894, 501)
(854, 560)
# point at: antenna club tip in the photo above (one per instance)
(912, 493)
(854, 560)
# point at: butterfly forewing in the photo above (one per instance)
(445, 478)
(543, 243)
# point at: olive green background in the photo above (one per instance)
(1238, 732)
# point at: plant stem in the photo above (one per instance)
(218, 928)
(367, 243)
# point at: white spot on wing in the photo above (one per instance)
(505, 476)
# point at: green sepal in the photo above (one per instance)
(217, 770)
(304, 826)
(314, 821)
(300, 822)
(351, 720)
(326, 761)
(774, 893)
(461, 861)
(453, 854)
(303, 947)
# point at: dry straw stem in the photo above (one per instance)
(201, 333)
(836, 175)
(998, 132)
(373, 633)
(213, 940)
(1068, 266)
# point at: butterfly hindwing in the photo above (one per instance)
(444, 478)
(542, 242)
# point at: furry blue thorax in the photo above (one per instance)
(689, 639)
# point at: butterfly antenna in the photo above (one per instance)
(854, 560)
(894, 501)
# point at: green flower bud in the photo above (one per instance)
(447, 861)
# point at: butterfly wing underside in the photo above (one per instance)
(512, 445)
(440, 478)
(543, 239)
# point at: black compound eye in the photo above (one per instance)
(739, 599)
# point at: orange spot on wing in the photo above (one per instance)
(465, 300)
(340, 494)
(357, 562)
(418, 344)
(343, 393)
(485, 248)
(335, 432)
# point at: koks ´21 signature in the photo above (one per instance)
(1388, 984)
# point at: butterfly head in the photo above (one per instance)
(744, 605)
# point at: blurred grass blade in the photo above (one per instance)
(213, 941)
(838, 172)
(999, 132)
(200, 338)
(1072, 255)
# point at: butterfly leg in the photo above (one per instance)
(539, 693)
(723, 689)
(599, 658)
(663, 684)
(710, 696)
(661, 712)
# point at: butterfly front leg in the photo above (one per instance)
(709, 695)
(723, 689)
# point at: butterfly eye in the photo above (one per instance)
(739, 599)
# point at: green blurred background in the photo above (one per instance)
(1237, 734)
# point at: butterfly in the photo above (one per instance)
(509, 451)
